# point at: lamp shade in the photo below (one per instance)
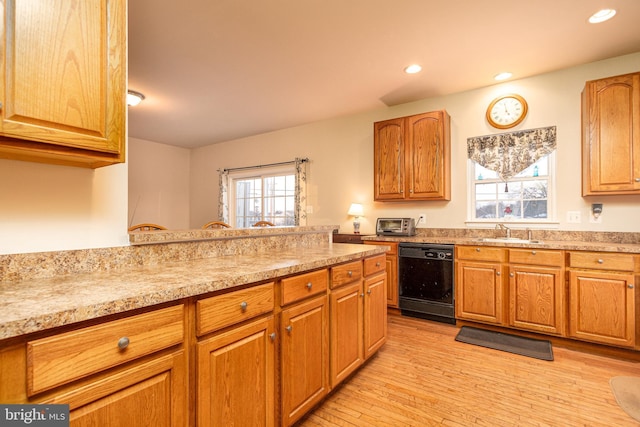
(355, 209)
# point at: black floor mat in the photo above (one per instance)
(540, 349)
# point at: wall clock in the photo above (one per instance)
(507, 111)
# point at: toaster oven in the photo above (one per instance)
(396, 227)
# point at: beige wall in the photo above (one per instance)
(341, 154)
(49, 207)
(158, 184)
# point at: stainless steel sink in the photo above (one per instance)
(507, 240)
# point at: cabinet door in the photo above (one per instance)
(235, 383)
(388, 159)
(611, 136)
(150, 393)
(346, 331)
(602, 307)
(536, 299)
(305, 361)
(479, 292)
(64, 84)
(428, 157)
(375, 313)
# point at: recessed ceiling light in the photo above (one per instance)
(502, 76)
(412, 69)
(602, 15)
(134, 98)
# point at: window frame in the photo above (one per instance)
(258, 172)
(550, 221)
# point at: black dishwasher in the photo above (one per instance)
(426, 279)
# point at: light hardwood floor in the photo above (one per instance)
(423, 377)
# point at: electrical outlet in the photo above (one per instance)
(422, 219)
(574, 217)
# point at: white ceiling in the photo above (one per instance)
(217, 70)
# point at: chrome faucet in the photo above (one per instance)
(529, 234)
(506, 229)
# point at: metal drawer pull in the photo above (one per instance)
(637, 179)
(630, 286)
(349, 273)
(369, 292)
(243, 306)
(361, 295)
(309, 285)
(511, 275)
(533, 252)
(289, 328)
(123, 343)
(477, 249)
(272, 336)
(497, 273)
(378, 264)
(600, 261)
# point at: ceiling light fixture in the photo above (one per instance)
(412, 69)
(502, 76)
(134, 98)
(602, 15)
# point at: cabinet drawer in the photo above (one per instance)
(346, 273)
(481, 253)
(602, 261)
(65, 357)
(304, 285)
(393, 246)
(233, 307)
(536, 257)
(374, 264)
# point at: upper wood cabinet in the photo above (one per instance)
(63, 82)
(611, 136)
(412, 158)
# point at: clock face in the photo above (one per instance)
(506, 111)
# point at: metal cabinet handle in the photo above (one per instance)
(378, 264)
(243, 306)
(289, 328)
(497, 273)
(349, 273)
(477, 249)
(272, 336)
(600, 261)
(533, 252)
(637, 179)
(309, 285)
(123, 343)
(630, 286)
(511, 274)
(361, 295)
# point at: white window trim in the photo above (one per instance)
(251, 173)
(550, 222)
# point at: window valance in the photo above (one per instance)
(508, 154)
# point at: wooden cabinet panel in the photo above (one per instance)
(346, 273)
(412, 158)
(304, 358)
(392, 271)
(65, 357)
(236, 376)
(536, 299)
(374, 264)
(536, 257)
(64, 86)
(375, 313)
(346, 331)
(611, 136)
(602, 307)
(479, 291)
(302, 286)
(233, 307)
(602, 261)
(159, 387)
(481, 253)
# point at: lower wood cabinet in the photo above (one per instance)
(347, 352)
(603, 301)
(375, 313)
(235, 376)
(479, 288)
(304, 358)
(392, 271)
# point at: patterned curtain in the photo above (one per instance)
(300, 210)
(508, 154)
(223, 195)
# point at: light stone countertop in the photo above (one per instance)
(39, 304)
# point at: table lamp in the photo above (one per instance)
(356, 210)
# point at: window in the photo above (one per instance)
(527, 196)
(276, 193)
(264, 198)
